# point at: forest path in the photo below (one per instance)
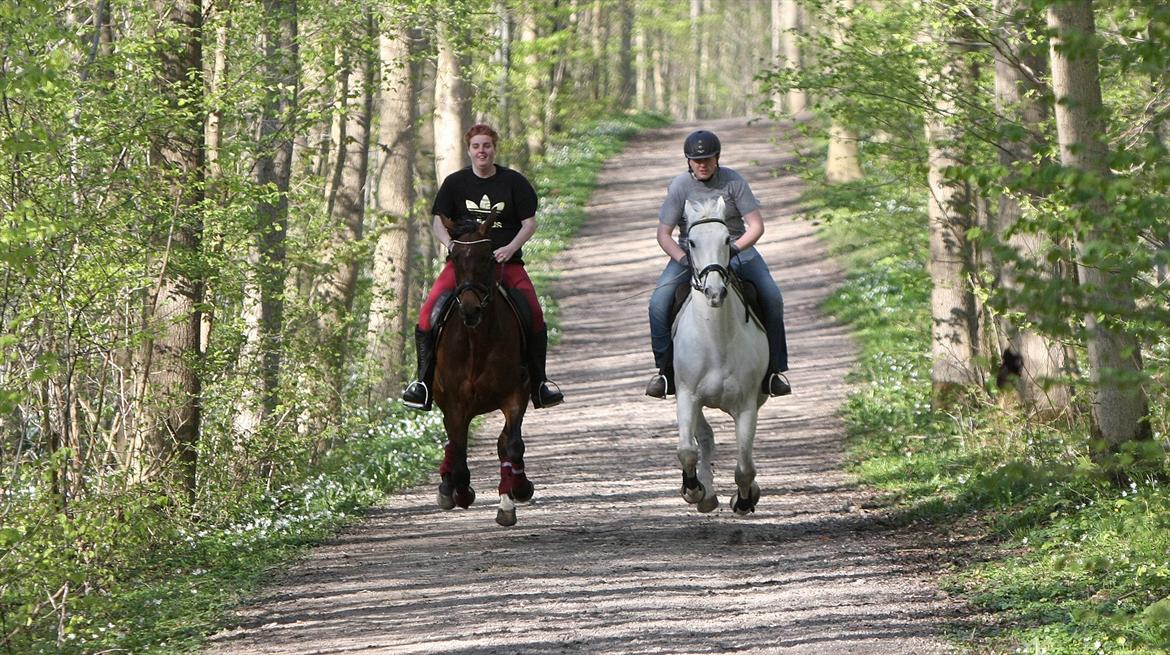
(609, 558)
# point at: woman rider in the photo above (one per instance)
(703, 178)
(471, 194)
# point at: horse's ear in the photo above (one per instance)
(447, 223)
(720, 207)
(689, 208)
(485, 226)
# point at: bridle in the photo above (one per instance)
(482, 292)
(699, 278)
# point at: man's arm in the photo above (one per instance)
(667, 243)
(753, 229)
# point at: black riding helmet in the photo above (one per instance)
(701, 144)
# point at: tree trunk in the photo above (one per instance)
(393, 200)
(626, 79)
(1018, 97)
(450, 98)
(797, 99)
(843, 162)
(692, 108)
(1120, 411)
(334, 289)
(264, 289)
(777, 34)
(954, 315)
(171, 390)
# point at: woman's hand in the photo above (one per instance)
(504, 254)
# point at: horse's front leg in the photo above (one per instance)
(747, 491)
(514, 484)
(690, 436)
(455, 485)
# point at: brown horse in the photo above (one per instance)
(480, 368)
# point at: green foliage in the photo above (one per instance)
(1073, 562)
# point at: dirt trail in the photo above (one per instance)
(609, 558)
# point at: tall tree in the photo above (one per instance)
(393, 200)
(171, 386)
(1019, 94)
(263, 303)
(843, 161)
(334, 288)
(1119, 409)
(950, 209)
(790, 28)
(450, 104)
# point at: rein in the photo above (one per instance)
(699, 278)
(481, 291)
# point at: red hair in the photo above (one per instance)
(478, 129)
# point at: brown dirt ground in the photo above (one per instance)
(609, 558)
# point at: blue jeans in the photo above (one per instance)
(754, 270)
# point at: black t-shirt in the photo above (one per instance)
(465, 197)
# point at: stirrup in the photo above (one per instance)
(776, 385)
(410, 396)
(660, 385)
(539, 401)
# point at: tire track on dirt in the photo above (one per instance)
(609, 558)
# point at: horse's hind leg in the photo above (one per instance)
(455, 487)
(747, 491)
(514, 484)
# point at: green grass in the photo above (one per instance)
(1071, 562)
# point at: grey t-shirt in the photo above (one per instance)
(737, 199)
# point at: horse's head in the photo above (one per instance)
(709, 243)
(471, 257)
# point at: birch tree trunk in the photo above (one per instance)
(1119, 410)
(393, 200)
(1018, 99)
(626, 78)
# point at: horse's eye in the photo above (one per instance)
(690, 243)
(727, 241)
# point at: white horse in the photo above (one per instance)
(720, 357)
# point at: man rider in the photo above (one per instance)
(705, 177)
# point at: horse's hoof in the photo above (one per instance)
(445, 501)
(464, 497)
(693, 496)
(708, 504)
(522, 493)
(506, 518)
(745, 506)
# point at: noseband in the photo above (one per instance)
(482, 292)
(699, 278)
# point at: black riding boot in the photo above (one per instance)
(418, 394)
(542, 395)
(775, 384)
(662, 384)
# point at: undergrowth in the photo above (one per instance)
(1070, 561)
